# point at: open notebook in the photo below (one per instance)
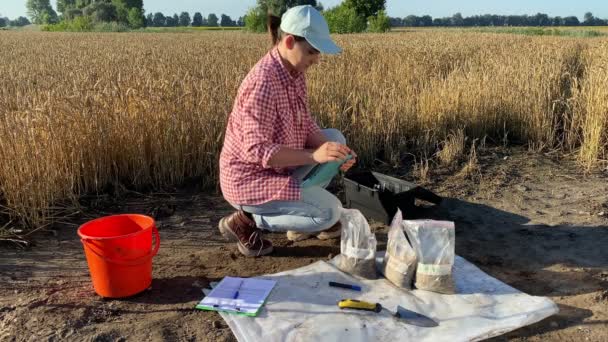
(243, 296)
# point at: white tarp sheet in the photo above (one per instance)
(302, 307)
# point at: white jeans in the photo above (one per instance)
(317, 209)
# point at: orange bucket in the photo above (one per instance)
(119, 253)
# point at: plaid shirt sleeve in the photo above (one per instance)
(258, 116)
(311, 125)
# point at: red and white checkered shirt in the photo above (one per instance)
(271, 110)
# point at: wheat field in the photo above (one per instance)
(82, 111)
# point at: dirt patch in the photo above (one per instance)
(529, 220)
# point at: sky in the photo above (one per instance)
(395, 8)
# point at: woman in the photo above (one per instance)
(272, 142)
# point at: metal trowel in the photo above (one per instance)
(415, 318)
(403, 314)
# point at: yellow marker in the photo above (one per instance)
(359, 305)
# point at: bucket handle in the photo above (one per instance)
(133, 262)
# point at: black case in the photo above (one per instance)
(378, 196)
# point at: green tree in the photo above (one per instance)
(82, 24)
(83, 3)
(72, 13)
(542, 19)
(278, 7)
(184, 19)
(366, 8)
(41, 12)
(457, 20)
(410, 21)
(136, 18)
(344, 19)
(212, 20)
(197, 19)
(121, 9)
(139, 4)
(571, 21)
(159, 20)
(425, 20)
(150, 19)
(101, 11)
(226, 21)
(379, 23)
(3, 22)
(255, 20)
(171, 21)
(21, 21)
(557, 21)
(50, 17)
(65, 5)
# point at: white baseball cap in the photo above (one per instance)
(305, 21)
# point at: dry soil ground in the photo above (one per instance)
(532, 221)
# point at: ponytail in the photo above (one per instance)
(273, 25)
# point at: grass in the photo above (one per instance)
(452, 148)
(84, 113)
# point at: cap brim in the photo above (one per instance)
(324, 45)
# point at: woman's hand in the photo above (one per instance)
(349, 163)
(330, 151)
(333, 151)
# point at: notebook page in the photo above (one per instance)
(252, 294)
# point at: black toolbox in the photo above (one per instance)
(378, 196)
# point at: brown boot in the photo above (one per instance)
(241, 228)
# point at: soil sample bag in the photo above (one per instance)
(434, 243)
(358, 245)
(400, 259)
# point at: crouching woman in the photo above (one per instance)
(272, 142)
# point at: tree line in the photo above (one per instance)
(20, 21)
(158, 19)
(348, 17)
(457, 20)
(127, 12)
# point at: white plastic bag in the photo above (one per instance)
(434, 243)
(400, 259)
(358, 245)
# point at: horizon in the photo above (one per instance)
(434, 8)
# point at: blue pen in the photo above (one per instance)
(345, 286)
(236, 294)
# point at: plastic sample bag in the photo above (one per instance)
(434, 243)
(400, 259)
(358, 245)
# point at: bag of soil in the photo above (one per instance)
(358, 245)
(400, 259)
(434, 244)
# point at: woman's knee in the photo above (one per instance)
(335, 135)
(328, 207)
(333, 213)
(335, 216)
